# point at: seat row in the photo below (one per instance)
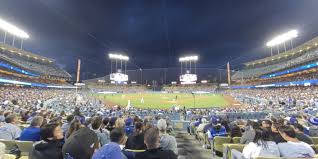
(226, 144)
(25, 147)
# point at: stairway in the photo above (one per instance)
(190, 148)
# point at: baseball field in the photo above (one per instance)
(167, 100)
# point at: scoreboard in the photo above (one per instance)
(118, 77)
(188, 78)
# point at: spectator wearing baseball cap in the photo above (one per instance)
(313, 126)
(81, 144)
(112, 150)
(51, 144)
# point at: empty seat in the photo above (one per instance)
(10, 144)
(218, 142)
(25, 147)
(315, 140)
(228, 147)
(182, 157)
(182, 151)
(9, 156)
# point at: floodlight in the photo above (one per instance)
(282, 38)
(13, 29)
(188, 58)
(118, 57)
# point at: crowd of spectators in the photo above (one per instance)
(301, 76)
(96, 137)
(60, 125)
(269, 137)
(303, 99)
(126, 88)
(58, 121)
(255, 72)
(24, 78)
(32, 65)
(190, 88)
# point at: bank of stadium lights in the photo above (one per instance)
(282, 39)
(13, 30)
(118, 57)
(188, 58)
(7, 27)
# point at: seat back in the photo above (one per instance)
(25, 147)
(236, 140)
(218, 142)
(315, 140)
(132, 150)
(9, 156)
(10, 144)
(271, 158)
(228, 147)
(130, 153)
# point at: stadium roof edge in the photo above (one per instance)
(26, 53)
(305, 46)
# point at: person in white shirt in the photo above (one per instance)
(200, 128)
(262, 146)
(293, 148)
(10, 131)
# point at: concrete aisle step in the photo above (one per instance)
(190, 148)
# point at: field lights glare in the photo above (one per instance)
(188, 58)
(118, 57)
(282, 38)
(13, 29)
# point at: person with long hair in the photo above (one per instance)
(75, 125)
(136, 140)
(249, 133)
(120, 123)
(51, 144)
(235, 131)
(275, 134)
(262, 145)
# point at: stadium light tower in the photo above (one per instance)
(119, 75)
(189, 59)
(281, 39)
(14, 31)
(188, 77)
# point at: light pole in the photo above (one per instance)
(282, 39)
(13, 30)
(140, 76)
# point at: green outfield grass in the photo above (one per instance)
(165, 101)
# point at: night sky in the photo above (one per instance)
(154, 33)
